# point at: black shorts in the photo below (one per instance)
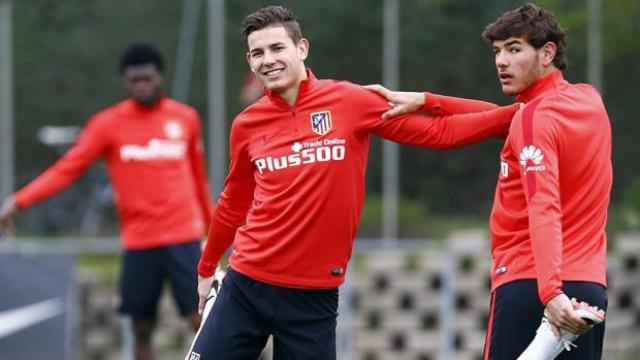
(515, 316)
(144, 273)
(246, 312)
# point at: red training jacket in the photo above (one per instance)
(550, 209)
(293, 197)
(155, 161)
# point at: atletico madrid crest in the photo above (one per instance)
(321, 122)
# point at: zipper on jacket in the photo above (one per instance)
(295, 122)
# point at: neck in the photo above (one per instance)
(290, 95)
(149, 103)
(548, 71)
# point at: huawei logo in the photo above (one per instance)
(530, 158)
(531, 153)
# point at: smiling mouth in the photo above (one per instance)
(273, 72)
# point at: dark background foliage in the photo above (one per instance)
(66, 55)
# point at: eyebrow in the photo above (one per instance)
(513, 42)
(268, 46)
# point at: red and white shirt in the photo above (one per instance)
(550, 208)
(155, 161)
(295, 190)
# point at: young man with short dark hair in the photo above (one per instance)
(548, 238)
(550, 210)
(153, 150)
(293, 197)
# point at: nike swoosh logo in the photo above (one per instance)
(18, 319)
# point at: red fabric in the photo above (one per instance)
(527, 136)
(294, 226)
(440, 105)
(155, 161)
(550, 209)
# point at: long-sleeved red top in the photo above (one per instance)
(550, 209)
(295, 190)
(155, 161)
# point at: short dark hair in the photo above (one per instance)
(140, 54)
(537, 25)
(272, 16)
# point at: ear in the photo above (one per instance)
(303, 49)
(548, 53)
(248, 57)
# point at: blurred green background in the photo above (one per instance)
(65, 69)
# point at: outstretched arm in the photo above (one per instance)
(442, 132)
(91, 145)
(447, 132)
(404, 102)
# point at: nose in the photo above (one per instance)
(502, 60)
(268, 58)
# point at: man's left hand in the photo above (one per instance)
(561, 315)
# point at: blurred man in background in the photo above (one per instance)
(548, 221)
(154, 155)
(294, 194)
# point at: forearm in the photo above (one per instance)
(44, 186)
(545, 231)
(447, 132)
(441, 105)
(220, 238)
(465, 129)
(90, 146)
(229, 214)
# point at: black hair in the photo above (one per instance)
(140, 54)
(272, 16)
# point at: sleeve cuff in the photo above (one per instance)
(206, 269)
(546, 296)
(429, 102)
(20, 201)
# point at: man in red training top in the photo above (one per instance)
(294, 194)
(154, 155)
(550, 210)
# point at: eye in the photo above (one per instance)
(514, 50)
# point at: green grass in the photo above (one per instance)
(105, 266)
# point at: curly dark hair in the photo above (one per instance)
(537, 25)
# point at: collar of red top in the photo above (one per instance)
(137, 107)
(305, 86)
(541, 86)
